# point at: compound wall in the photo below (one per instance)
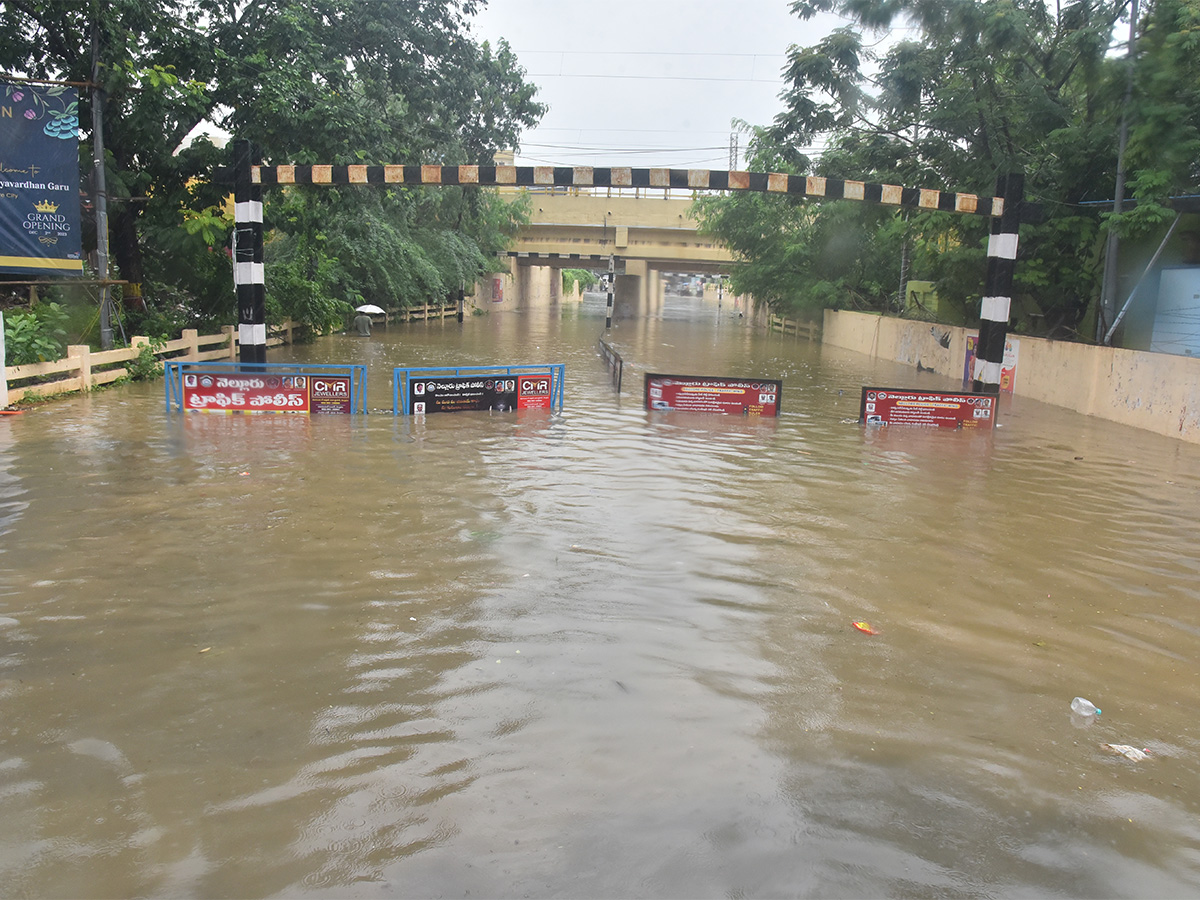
(1153, 391)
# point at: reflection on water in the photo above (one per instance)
(606, 653)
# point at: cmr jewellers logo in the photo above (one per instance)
(46, 223)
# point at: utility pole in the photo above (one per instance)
(997, 290)
(902, 293)
(100, 186)
(249, 277)
(1108, 291)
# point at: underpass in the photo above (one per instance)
(650, 234)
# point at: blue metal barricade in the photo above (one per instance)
(416, 391)
(236, 387)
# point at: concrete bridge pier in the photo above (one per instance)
(627, 290)
(657, 292)
(533, 286)
(639, 292)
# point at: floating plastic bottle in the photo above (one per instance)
(1084, 707)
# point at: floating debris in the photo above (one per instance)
(1083, 707)
(864, 628)
(1128, 752)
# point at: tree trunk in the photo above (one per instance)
(127, 253)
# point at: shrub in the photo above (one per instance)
(146, 364)
(37, 336)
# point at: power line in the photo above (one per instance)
(659, 78)
(632, 130)
(604, 149)
(679, 165)
(655, 53)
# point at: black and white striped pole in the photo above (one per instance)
(997, 289)
(611, 278)
(249, 277)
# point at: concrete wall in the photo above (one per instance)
(648, 228)
(522, 287)
(1153, 391)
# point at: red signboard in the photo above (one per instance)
(533, 392)
(727, 396)
(928, 409)
(259, 393)
(329, 393)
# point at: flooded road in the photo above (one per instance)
(602, 654)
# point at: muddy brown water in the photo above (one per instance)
(602, 654)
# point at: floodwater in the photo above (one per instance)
(606, 653)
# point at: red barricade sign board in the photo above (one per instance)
(726, 396)
(927, 409)
(533, 392)
(255, 393)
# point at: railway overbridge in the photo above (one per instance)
(648, 233)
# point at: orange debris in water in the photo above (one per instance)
(864, 627)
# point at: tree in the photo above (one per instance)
(803, 258)
(985, 88)
(310, 81)
(1164, 142)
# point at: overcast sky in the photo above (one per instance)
(648, 82)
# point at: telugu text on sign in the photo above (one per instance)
(500, 394)
(724, 396)
(246, 393)
(927, 409)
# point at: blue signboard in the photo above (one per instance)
(39, 180)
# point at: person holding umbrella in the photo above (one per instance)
(362, 322)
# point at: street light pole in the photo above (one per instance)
(1108, 291)
(100, 186)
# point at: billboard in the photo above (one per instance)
(928, 409)
(330, 394)
(39, 180)
(435, 389)
(726, 396)
(219, 387)
(465, 394)
(256, 393)
(1008, 366)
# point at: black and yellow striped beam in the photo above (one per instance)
(589, 177)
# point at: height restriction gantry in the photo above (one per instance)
(1006, 209)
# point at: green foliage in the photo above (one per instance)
(395, 248)
(299, 290)
(37, 336)
(805, 257)
(146, 364)
(310, 81)
(984, 88)
(1164, 140)
(581, 277)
